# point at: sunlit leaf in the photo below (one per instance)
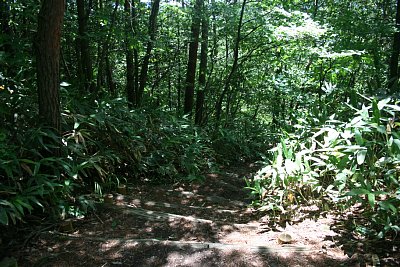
(317, 160)
(291, 167)
(64, 84)
(357, 120)
(361, 156)
(319, 133)
(347, 134)
(382, 103)
(395, 107)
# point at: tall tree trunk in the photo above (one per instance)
(218, 106)
(152, 37)
(179, 82)
(157, 77)
(104, 48)
(136, 66)
(135, 51)
(110, 80)
(202, 69)
(5, 17)
(207, 111)
(5, 25)
(85, 61)
(7, 36)
(394, 58)
(130, 76)
(192, 60)
(169, 93)
(47, 46)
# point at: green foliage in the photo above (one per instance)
(137, 145)
(241, 140)
(297, 61)
(342, 162)
(29, 181)
(103, 144)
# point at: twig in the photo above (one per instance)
(97, 216)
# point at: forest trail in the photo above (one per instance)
(207, 224)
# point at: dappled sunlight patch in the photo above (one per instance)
(110, 244)
(154, 229)
(300, 26)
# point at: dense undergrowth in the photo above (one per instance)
(103, 144)
(327, 160)
(338, 163)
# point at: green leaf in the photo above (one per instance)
(27, 161)
(361, 156)
(6, 203)
(3, 217)
(382, 103)
(359, 138)
(371, 199)
(357, 192)
(351, 148)
(396, 108)
(36, 169)
(381, 129)
(357, 121)
(14, 217)
(25, 204)
(376, 111)
(397, 142)
(18, 207)
(35, 200)
(388, 206)
(317, 160)
(284, 149)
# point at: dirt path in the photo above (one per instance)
(186, 225)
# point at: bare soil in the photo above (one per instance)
(207, 224)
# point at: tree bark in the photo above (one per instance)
(152, 37)
(7, 37)
(5, 23)
(105, 47)
(202, 69)
(192, 60)
(85, 61)
(135, 51)
(130, 76)
(179, 82)
(394, 58)
(110, 80)
(218, 106)
(47, 46)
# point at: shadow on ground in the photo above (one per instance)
(206, 224)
